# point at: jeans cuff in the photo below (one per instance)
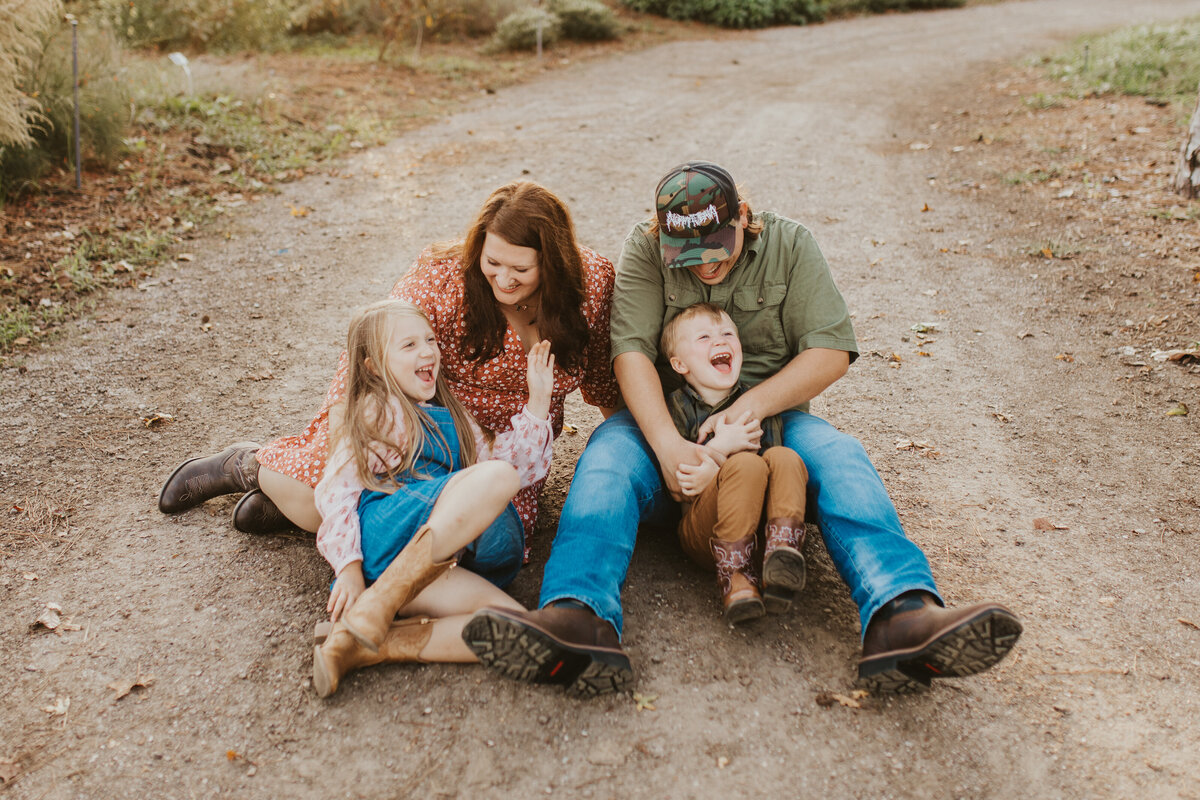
(615, 622)
(879, 601)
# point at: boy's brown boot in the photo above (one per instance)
(735, 575)
(234, 469)
(405, 578)
(783, 563)
(340, 653)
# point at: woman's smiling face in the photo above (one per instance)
(512, 271)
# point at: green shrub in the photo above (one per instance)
(220, 25)
(735, 13)
(518, 31)
(445, 18)
(103, 109)
(585, 20)
(21, 37)
(880, 6)
(1151, 60)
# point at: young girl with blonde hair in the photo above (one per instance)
(413, 487)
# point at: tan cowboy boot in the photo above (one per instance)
(783, 563)
(406, 577)
(735, 575)
(340, 653)
(234, 469)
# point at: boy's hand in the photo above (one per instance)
(694, 479)
(540, 375)
(346, 589)
(734, 437)
(743, 405)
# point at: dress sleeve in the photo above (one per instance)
(339, 537)
(599, 386)
(528, 447)
(419, 286)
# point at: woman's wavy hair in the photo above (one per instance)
(373, 399)
(526, 215)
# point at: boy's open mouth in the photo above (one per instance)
(722, 362)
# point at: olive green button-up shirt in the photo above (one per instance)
(780, 294)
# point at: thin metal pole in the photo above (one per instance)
(75, 72)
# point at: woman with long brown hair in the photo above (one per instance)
(517, 277)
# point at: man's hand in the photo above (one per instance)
(695, 479)
(743, 409)
(346, 589)
(679, 453)
(734, 437)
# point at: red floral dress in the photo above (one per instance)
(493, 391)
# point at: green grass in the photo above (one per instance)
(1032, 176)
(1155, 61)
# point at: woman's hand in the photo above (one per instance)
(694, 479)
(734, 437)
(346, 589)
(540, 375)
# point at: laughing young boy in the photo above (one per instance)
(758, 479)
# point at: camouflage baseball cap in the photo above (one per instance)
(697, 214)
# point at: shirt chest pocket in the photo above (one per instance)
(758, 313)
(677, 298)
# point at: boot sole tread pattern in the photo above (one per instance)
(784, 575)
(974, 646)
(524, 653)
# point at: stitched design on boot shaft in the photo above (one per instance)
(784, 533)
(734, 557)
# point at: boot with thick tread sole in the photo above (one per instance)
(523, 652)
(976, 644)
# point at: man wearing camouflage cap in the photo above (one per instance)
(768, 274)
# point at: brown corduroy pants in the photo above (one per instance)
(748, 489)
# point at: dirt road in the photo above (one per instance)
(826, 124)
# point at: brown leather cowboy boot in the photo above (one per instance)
(735, 576)
(783, 563)
(565, 644)
(234, 469)
(409, 573)
(340, 653)
(912, 640)
(256, 513)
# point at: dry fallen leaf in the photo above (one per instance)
(645, 702)
(1179, 410)
(157, 420)
(124, 687)
(1067, 357)
(299, 211)
(1189, 623)
(184, 257)
(925, 207)
(913, 444)
(1047, 252)
(59, 707)
(50, 618)
(29, 576)
(1043, 524)
(722, 762)
(569, 429)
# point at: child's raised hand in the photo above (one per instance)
(733, 437)
(695, 478)
(346, 589)
(540, 374)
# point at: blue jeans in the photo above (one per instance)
(497, 553)
(617, 487)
